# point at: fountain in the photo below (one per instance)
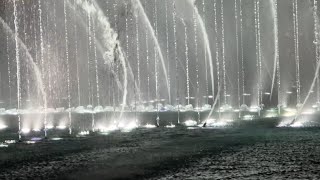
(95, 68)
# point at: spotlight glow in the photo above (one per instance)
(61, 127)
(248, 117)
(56, 139)
(190, 123)
(83, 133)
(2, 145)
(171, 126)
(2, 126)
(149, 126)
(25, 130)
(36, 130)
(10, 141)
(297, 124)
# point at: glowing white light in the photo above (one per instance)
(220, 123)
(50, 127)
(3, 126)
(248, 117)
(83, 133)
(150, 126)
(10, 141)
(190, 123)
(271, 114)
(289, 112)
(308, 111)
(30, 142)
(56, 139)
(3, 145)
(129, 126)
(61, 127)
(25, 130)
(254, 109)
(297, 124)
(171, 126)
(36, 130)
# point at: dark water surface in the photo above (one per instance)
(177, 153)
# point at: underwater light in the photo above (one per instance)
(248, 117)
(56, 139)
(10, 141)
(3, 126)
(150, 126)
(171, 126)
(30, 142)
(3, 145)
(25, 130)
(36, 130)
(190, 123)
(61, 127)
(83, 133)
(297, 124)
(50, 127)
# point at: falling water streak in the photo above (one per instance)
(29, 60)
(138, 57)
(148, 67)
(156, 60)
(55, 54)
(205, 56)
(153, 35)
(309, 93)
(89, 46)
(174, 15)
(138, 70)
(115, 44)
(207, 45)
(296, 41)
(8, 58)
(41, 40)
(187, 60)
(9, 72)
(195, 29)
(76, 52)
(67, 59)
(223, 54)
(242, 61)
(96, 62)
(16, 30)
(260, 54)
(36, 38)
(48, 51)
(167, 47)
(25, 40)
(126, 31)
(276, 64)
(217, 50)
(316, 43)
(115, 64)
(238, 60)
(257, 49)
